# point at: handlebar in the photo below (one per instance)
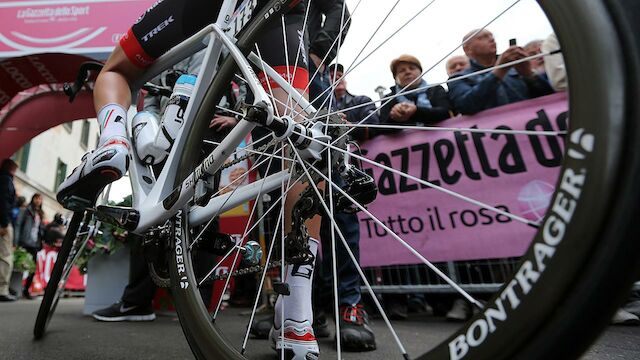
(71, 90)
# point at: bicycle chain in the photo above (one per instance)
(247, 270)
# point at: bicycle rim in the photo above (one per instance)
(537, 311)
(51, 293)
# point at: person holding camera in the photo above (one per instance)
(499, 86)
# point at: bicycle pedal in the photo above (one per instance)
(124, 217)
(75, 203)
(281, 288)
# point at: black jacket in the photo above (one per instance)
(7, 198)
(322, 36)
(438, 112)
(356, 115)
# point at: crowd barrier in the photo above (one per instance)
(475, 246)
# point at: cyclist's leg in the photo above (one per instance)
(160, 28)
(293, 315)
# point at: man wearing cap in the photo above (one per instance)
(355, 332)
(412, 101)
(497, 87)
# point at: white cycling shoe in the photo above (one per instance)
(99, 168)
(299, 340)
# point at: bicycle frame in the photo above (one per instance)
(157, 200)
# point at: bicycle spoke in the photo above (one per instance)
(324, 59)
(353, 67)
(216, 266)
(264, 273)
(440, 128)
(404, 90)
(334, 264)
(226, 283)
(424, 88)
(405, 244)
(336, 229)
(431, 185)
(255, 152)
(240, 178)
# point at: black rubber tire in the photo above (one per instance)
(205, 340)
(593, 262)
(47, 306)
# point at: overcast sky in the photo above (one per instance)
(431, 36)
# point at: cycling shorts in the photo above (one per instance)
(168, 22)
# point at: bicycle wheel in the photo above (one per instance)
(568, 268)
(59, 274)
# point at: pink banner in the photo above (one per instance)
(88, 26)
(513, 172)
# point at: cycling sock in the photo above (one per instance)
(297, 305)
(112, 119)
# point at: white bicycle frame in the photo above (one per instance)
(157, 200)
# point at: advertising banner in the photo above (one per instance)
(74, 27)
(46, 258)
(512, 172)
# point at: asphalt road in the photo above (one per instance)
(74, 336)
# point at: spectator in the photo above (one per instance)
(418, 104)
(28, 233)
(498, 87)
(345, 100)
(355, 333)
(537, 65)
(7, 200)
(554, 64)
(54, 231)
(21, 202)
(456, 64)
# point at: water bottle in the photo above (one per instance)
(173, 116)
(145, 130)
(152, 142)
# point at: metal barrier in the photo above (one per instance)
(476, 276)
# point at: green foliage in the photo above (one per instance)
(107, 242)
(22, 260)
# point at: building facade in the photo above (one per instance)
(49, 158)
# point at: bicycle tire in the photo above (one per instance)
(599, 242)
(205, 340)
(49, 300)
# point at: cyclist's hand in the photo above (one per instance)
(220, 123)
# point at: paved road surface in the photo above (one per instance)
(74, 336)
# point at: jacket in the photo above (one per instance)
(486, 91)
(7, 198)
(356, 115)
(323, 34)
(438, 112)
(27, 232)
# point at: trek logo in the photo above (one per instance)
(157, 29)
(243, 16)
(148, 10)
